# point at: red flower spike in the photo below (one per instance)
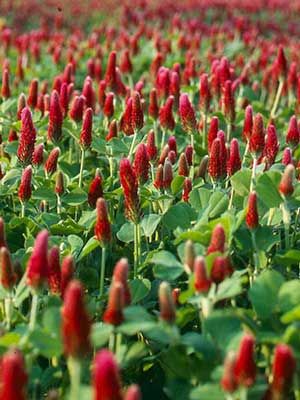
(113, 130)
(108, 109)
(234, 162)
(46, 99)
(106, 377)
(187, 114)
(248, 123)
(129, 185)
(5, 88)
(86, 131)
(95, 190)
(7, 275)
(214, 163)
(141, 163)
(164, 154)
(281, 63)
(13, 376)
(228, 102)
(38, 155)
(292, 78)
(187, 188)
(166, 303)
(204, 93)
(189, 152)
(3, 242)
(217, 241)
(137, 116)
(166, 118)
(110, 74)
(189, 256)
(213, 131)
(126, 119)
(27, 137)
(64, 98)
(89, 93)
(228, 381)
(102, 93)
(120, 275)
(150, 146)
(114, 311)
(59, 184)
(293, 134)
(24, 192)
(245, 368)
(175, 88)
(286, 187)
(76, 323)
(201, 282)
(133, 393)
(271, 145)
(159, 177)
(51, 162)
(167, 174)
(221, 269)
(156, 64)
(287, 156)
(183, 167)
(33, 93)
(252, 218)
(12, 136)
(283, 370)
(153, 108)
(37, 266)
(41, 104)
(172, 144)
(125, 63)
(54, 271)
(21, 105)
(163, 82)
(55, 118)
(67, 273)
(257, 139)
(76, 111)
(102, 227)
(175, 295)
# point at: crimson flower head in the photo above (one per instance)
(126, 119)
(175, 87)
(13, 376)
(252, 218)
(106, 377)
(212, 132)
(5, 88)
(228, 102)
(12, 136)
(163, 82)
(89, 93)
(64, 98)
(215, 166)
(293, 134)
(38, 155)
(112, 130)
(110, 75)
(21, 105)
(187, 113)
(153, 105)
(125, 63)
(76, 323)
(245, 368)
(221, 269)
(3, 242)
(205, 95)
(287, 156)
(129, 185)
(76, 111)
(54, 271)
(24, 191)
(102, 227)
(51, 162)
(202, 283)
(37, 266)
(55, 118)
(159, 177)
(114, 311)
(133, 393)
(257, 139)
(172, 143)
(33, 93)
(141, 163)
(67, 273)
(228, 381)
(217, 241)
(189, 153)
(7, 275)
(167, 174)
(166, 118)
(108, 109)
(284, 368)
(183, 167)
(281, 64)
(120, 275)
(248, 123)
(86, 131)
(102, 93)
(166, 303)
(95, 189)
(59, 183)
(27, 138)
(234, 162)
(187, 188)
(286, 186)
(271, 145)
(150, 146)
(137, 115)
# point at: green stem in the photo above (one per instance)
(277, 98)
(255, 254)
(33, 311)
(137, 247)
(204, 130)
(8, 311)
(58, 204)
(74, 368)
(163, 135)
(286, 216)
(192, 166)
(22, 209)
(132, 144)
(70, 150)
(252, 184)
(231, 198)
(229, 129)
(245, 154)
(271, 215)
(102, 271)
(81, 167)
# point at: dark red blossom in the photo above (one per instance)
(228, 381)
(89, 93)
(114, 311)
(166, 303)
(141, 163)
(37, 266)
(293, 134)
(187, 188)
(51, 162)
(108, 109)
(38, 155)
(85, 139)
(5, 88)
(13, 376)
(102, 226)
(201, 282)
(257, 139)
(283, 370)
(187, 113)
(129, 185)
(286, 186)
(76, 111)
(153, 105)
(204, 93)
(126, 119)
(252, 218)
(150, 146)
(7, 274)
(212, 132)
(287, 156)
(33, 93)
(24, 192)
(27, 137)
(21, 105)
(234, 161)
(183, 166)
(95, 189)
(228, 101)
(137, 115)
(55, 118)
(217, 241)
(110, 74)
(59, 184)
(271, 145)
(54, 271)
(221, 269)
(166, 118)
(167, 174)
(248, 123)
(245, 368)
(120, 275)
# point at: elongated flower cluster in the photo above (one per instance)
(102, 226)
(37, 266)
(86, 131)
(187, 114)
(130, 189)
(95, 189)
(24, 191)
(55, 118)
(27, 138)
(13, 376)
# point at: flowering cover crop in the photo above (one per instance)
(150, 200)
